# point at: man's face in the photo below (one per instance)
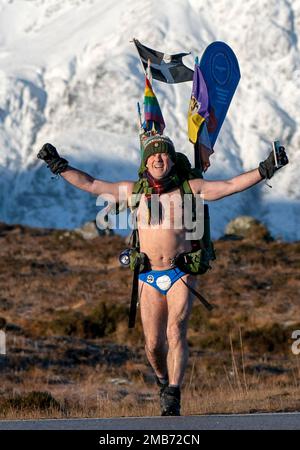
(159, 165)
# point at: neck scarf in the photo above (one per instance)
(154, 186)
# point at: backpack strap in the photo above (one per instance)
(206, 239)
(133, 204)
(135, 243)
(207, 305)
(186, 188)
(136, 194)
(134, 296)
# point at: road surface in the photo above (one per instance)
(268, 421)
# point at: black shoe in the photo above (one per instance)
(170, 401)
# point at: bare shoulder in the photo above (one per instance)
(197, 185)
(128, 185)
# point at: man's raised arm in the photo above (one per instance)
(215, 190)
(78, 178)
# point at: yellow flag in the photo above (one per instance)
(195, 120)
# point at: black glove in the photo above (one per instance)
(267, 168)
(49, 154)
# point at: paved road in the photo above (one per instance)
(278, 421)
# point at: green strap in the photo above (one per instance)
(136, 196)
(186, 187)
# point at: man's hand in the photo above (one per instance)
(49, 154)
(267, 168)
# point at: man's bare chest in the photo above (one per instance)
(164, 211)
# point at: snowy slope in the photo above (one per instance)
(70, 76)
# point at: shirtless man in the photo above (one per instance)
(165, 307)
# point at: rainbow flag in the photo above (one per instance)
(152, 112)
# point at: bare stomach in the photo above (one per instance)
(167, 239)
(161, 246)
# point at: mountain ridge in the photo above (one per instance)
(70, 75)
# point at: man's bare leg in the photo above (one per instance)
(180, 301)
(154, 315)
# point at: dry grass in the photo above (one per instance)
(83, 402)
(70, 354)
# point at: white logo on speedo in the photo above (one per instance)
(150, 279)
(164, 282)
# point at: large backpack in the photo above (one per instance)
(195, 262)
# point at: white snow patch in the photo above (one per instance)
(69, 76)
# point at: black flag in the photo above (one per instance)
(164, 67)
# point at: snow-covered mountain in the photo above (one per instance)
(70, 76)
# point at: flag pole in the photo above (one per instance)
(148, 71)
(139, 115)
(134, 42)
(197, 159)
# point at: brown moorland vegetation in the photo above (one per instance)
(64, 304)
